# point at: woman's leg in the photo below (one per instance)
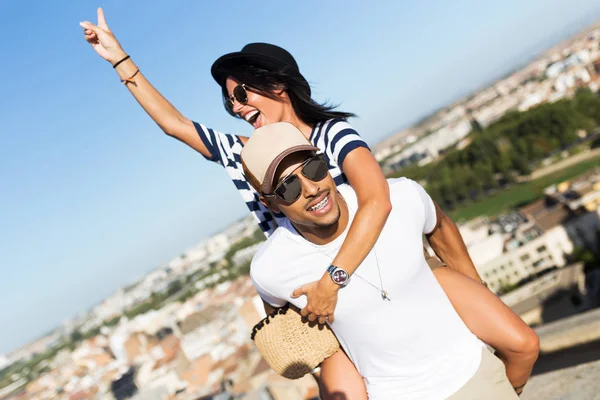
(493, 322)
(339, 379)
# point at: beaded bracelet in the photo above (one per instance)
(130, 79)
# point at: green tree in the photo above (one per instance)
(521, 148)
(520, 164)
(484, 174)
(174, 287)
(466, 184)
(502, 163)
(506, 148)
(76, 336)
(587, 257)
(588, 104)
(434, 192)
(447, 194)
(113, 321)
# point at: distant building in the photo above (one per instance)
(517, 246)
(4, 361)
(245, 255)
(218, 244)
(525, 259)
(573, 204)
(553, 294)
(539, 237)
(555, 69)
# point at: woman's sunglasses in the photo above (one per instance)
(290, 188)
(240, 95)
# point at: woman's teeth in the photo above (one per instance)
(251, 117)
(320, 205)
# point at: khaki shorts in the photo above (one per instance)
(489, 382)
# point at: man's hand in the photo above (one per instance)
(102, 40)
(321, 296)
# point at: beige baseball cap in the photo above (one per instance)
(265, 150)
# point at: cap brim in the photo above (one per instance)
(267, 185)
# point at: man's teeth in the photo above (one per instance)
(250, 115)
(320, 204)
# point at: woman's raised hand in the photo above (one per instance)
(102, 40)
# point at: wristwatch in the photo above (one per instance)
(338, 275)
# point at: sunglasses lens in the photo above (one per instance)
(240, 94)
(229, 105)
(316, 169)
(290, 189)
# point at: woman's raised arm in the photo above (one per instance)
(168, 118)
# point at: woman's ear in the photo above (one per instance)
(281, 93)
(270, 204)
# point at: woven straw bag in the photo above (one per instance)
(291, 347)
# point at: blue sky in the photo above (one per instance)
(93, 195)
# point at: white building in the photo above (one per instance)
(545, 251)
(245, 255)
(495, 110)
(111, 306)
(532, 100)
(218, 338)
(218, 244)
(475, 230)
(555, 69)
(514, 247)
(4, 362)
(568, 217)
(430, 146)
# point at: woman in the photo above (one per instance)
(262, 84)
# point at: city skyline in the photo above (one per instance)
(45, 170)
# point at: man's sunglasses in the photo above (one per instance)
(240, 95)
(290, 188)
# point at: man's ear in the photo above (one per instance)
(269, 204)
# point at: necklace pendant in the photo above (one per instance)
(385, 296)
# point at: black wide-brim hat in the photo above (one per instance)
(263, 55)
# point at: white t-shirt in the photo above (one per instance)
(414, 346)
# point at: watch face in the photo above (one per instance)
(339, 276)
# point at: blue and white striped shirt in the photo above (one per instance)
(335, 137)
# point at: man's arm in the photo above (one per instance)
(448, 245)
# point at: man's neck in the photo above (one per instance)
(324, 235)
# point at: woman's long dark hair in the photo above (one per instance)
(266, 83)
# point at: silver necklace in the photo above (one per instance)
(384, 294)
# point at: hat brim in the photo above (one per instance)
(238, 58)
(219, 67)
(268, 182)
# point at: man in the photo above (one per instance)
(392, 318)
